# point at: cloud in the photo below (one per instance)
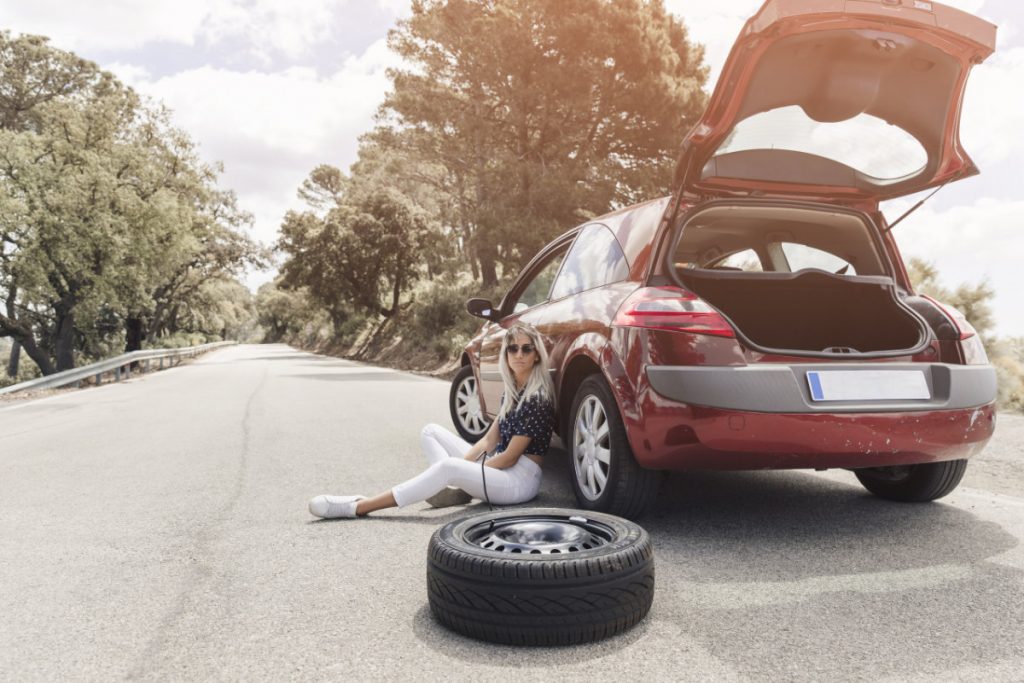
(268, 27)
(399, 8)
(272, 129)
(993, 106)
(969, 244)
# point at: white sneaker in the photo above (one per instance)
(334, 507)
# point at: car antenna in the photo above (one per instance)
(915, 207)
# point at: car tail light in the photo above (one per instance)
(970, 341)
(671, 308)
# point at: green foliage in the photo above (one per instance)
(282, 313)
(530, 116)
(363, 252)
(111, 229)
(1006, 355)
(971, 300)
(514, 121)
(439, 318)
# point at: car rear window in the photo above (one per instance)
(777, 239)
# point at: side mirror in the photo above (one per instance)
(482, 308)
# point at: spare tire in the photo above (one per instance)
(540, 576)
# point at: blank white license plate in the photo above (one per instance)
(867, 385)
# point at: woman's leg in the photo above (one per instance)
(439, 444)
(513, 485)
(517, 484)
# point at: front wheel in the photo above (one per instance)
(605, 475)
(464, 404)
(913, 483)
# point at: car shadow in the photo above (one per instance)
(754, 568)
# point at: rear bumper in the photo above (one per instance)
(766, 420)
(782, 388)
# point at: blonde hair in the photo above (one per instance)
(539, 382)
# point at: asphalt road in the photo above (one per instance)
(157, 530)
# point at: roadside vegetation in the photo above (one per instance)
(509, 122)
(484, 150)
(513, 121)
(113, 234)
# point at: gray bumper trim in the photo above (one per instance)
(781, 388)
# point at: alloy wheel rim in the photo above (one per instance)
(467, 407)
(591, 448)
(539, 534)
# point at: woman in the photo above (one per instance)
(518, 438)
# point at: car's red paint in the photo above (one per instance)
(583, 339)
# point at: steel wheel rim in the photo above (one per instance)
(540, 535)
(467, 407)
(591, 448)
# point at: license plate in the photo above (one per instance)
(867, 385)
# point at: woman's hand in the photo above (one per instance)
(511, 454)
(487, 442)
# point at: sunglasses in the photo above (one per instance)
(513, 349)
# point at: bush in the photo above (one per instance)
(438, 313)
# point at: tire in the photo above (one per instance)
(913, 483)
(605, 475)
(525, 577)
(464, 404)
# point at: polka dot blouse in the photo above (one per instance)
(534, 418)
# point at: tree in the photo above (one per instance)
(971, 300)
(540, 113)
(32, 74)
(281, 312)
(109, 223)
(361, 253)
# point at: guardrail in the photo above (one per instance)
(118, 366)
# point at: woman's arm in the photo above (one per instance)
(510, 455)
(488, 441)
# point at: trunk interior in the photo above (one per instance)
(796, 278)
(811, 311)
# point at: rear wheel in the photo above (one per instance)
(605, 475)
(913, 483)
(464, 404)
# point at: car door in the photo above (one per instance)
(525, 301)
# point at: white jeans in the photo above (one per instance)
(445, 451)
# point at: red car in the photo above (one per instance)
(761, 316)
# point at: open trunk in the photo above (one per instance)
(811, 311)
(797, 278)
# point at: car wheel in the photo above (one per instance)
(540, 576)
(464, 402)
(913, 483)
(605, 475)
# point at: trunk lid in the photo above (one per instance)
(838, 99)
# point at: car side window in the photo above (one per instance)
(746, 260)
(594, 260)
(802, 256)
(537, 291)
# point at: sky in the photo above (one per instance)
(272, 88)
